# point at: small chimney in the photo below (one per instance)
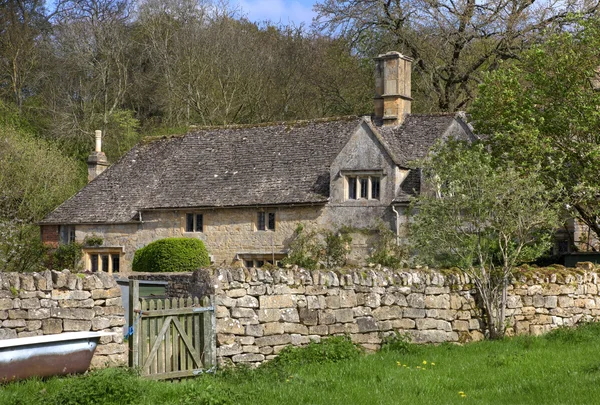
(97, 162)
(392, 88)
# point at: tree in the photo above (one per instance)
(452, 42)
(482, 217)
(542, 111)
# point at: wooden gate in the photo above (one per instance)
(172, 338)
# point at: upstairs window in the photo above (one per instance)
(363, 187)
(67, 234)
(194, 222)
(265, 221)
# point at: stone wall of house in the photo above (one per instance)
(51, 302)
(260, 312)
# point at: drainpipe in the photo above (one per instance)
(397, 225)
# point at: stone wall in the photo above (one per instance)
(33, 304)
(260, 312)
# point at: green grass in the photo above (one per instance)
(562, 367)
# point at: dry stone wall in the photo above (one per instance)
(260, 312)
(52, 302)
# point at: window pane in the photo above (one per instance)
(261, 221)
(199, 223)
(94, 263)
(352, 188)
(249, 263)
(189, 222)
(375, 187)
(364, 187)
(260, 263)
(105, 263)
(116, 263)
(272, 221)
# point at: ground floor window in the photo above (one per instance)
(103, 259)
(258, 260)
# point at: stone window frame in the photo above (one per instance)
(268, 221)
(258, 260)
(354, 182)
(111, 252)
(195, 214)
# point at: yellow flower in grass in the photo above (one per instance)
(398, 363)
(461, 393)
(424, 361)
(433, 364)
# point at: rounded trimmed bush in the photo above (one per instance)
(171, 254)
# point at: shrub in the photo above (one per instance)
(387, 252)
(171, 254)
(305, 250)
(93, 240)
(397, 342)
(337, 248)
(68, 256)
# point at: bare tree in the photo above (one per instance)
(451, 41)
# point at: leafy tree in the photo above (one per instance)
(484, 218)
(542, 111)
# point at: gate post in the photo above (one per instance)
(134, 304)
(210, 333)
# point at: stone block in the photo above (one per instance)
(276, 301)
(247, 301)
(14, 323)
(316, 290)
(4, 315)
(290, 315)
(248, 358)
(52, 326)
(231, 326)
(30, 303)
(33, 325)
(326, 317)
(565, 302)
(39, 313)
(273, 328)
(17, 314)
(295, 328)
(255, 330)
(59, 279)
(437, 301)
(366, 324)
(273, 340)
(229, 350)
(100, 323)
(25, 334)
(110, 348)
(332, 301)
(312, 302)
(222, 312)
(320, 330)
(299, 340)
(240, 312)
(428, 336)
(265, 350)
(460, 326)
(225, 301)
(344, 315)
(347, 299)
(308, 317)
(344, 328)
(416, 300)
(247, 340)
(8, 334)
(413, 313)
(6, 303)
(372, 300)
(269, 315)
(72, 325)
(403, 324)
(257, 290)
(362, 311)
(236, 293)
(551, 301)
(112, 302)
(390, 312)
(225, 339)
(106, 293)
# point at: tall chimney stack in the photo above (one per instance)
(97, 162)
(392, 88)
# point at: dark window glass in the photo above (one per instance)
(272, 221)
(352, 188)
(94, 260)
(116, 263)
(260, 263)
(375, 187)
(364, 187)
(261, 221)
(189, 222)
(249, 263)
(71, 234)
(199, 223)
(105, 263)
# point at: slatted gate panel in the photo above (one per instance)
(172, 338)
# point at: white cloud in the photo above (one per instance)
(278, 11)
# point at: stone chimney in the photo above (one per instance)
(97, 162)
(392, 88)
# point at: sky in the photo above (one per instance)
(278, 11)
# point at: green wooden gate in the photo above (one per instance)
(172, 338)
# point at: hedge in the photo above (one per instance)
(171, 254)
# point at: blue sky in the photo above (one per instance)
(283, 11)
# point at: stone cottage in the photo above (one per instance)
(243, 190)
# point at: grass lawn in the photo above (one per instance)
(562, 367)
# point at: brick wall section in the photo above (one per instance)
(50, 235)
(260, 312)
(51, 302)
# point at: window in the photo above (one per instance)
(107, 260)
(365, 187)
(265, 221)
(194, 222)
(261, 259)
(67, 234)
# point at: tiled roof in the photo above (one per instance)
(238, 166)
